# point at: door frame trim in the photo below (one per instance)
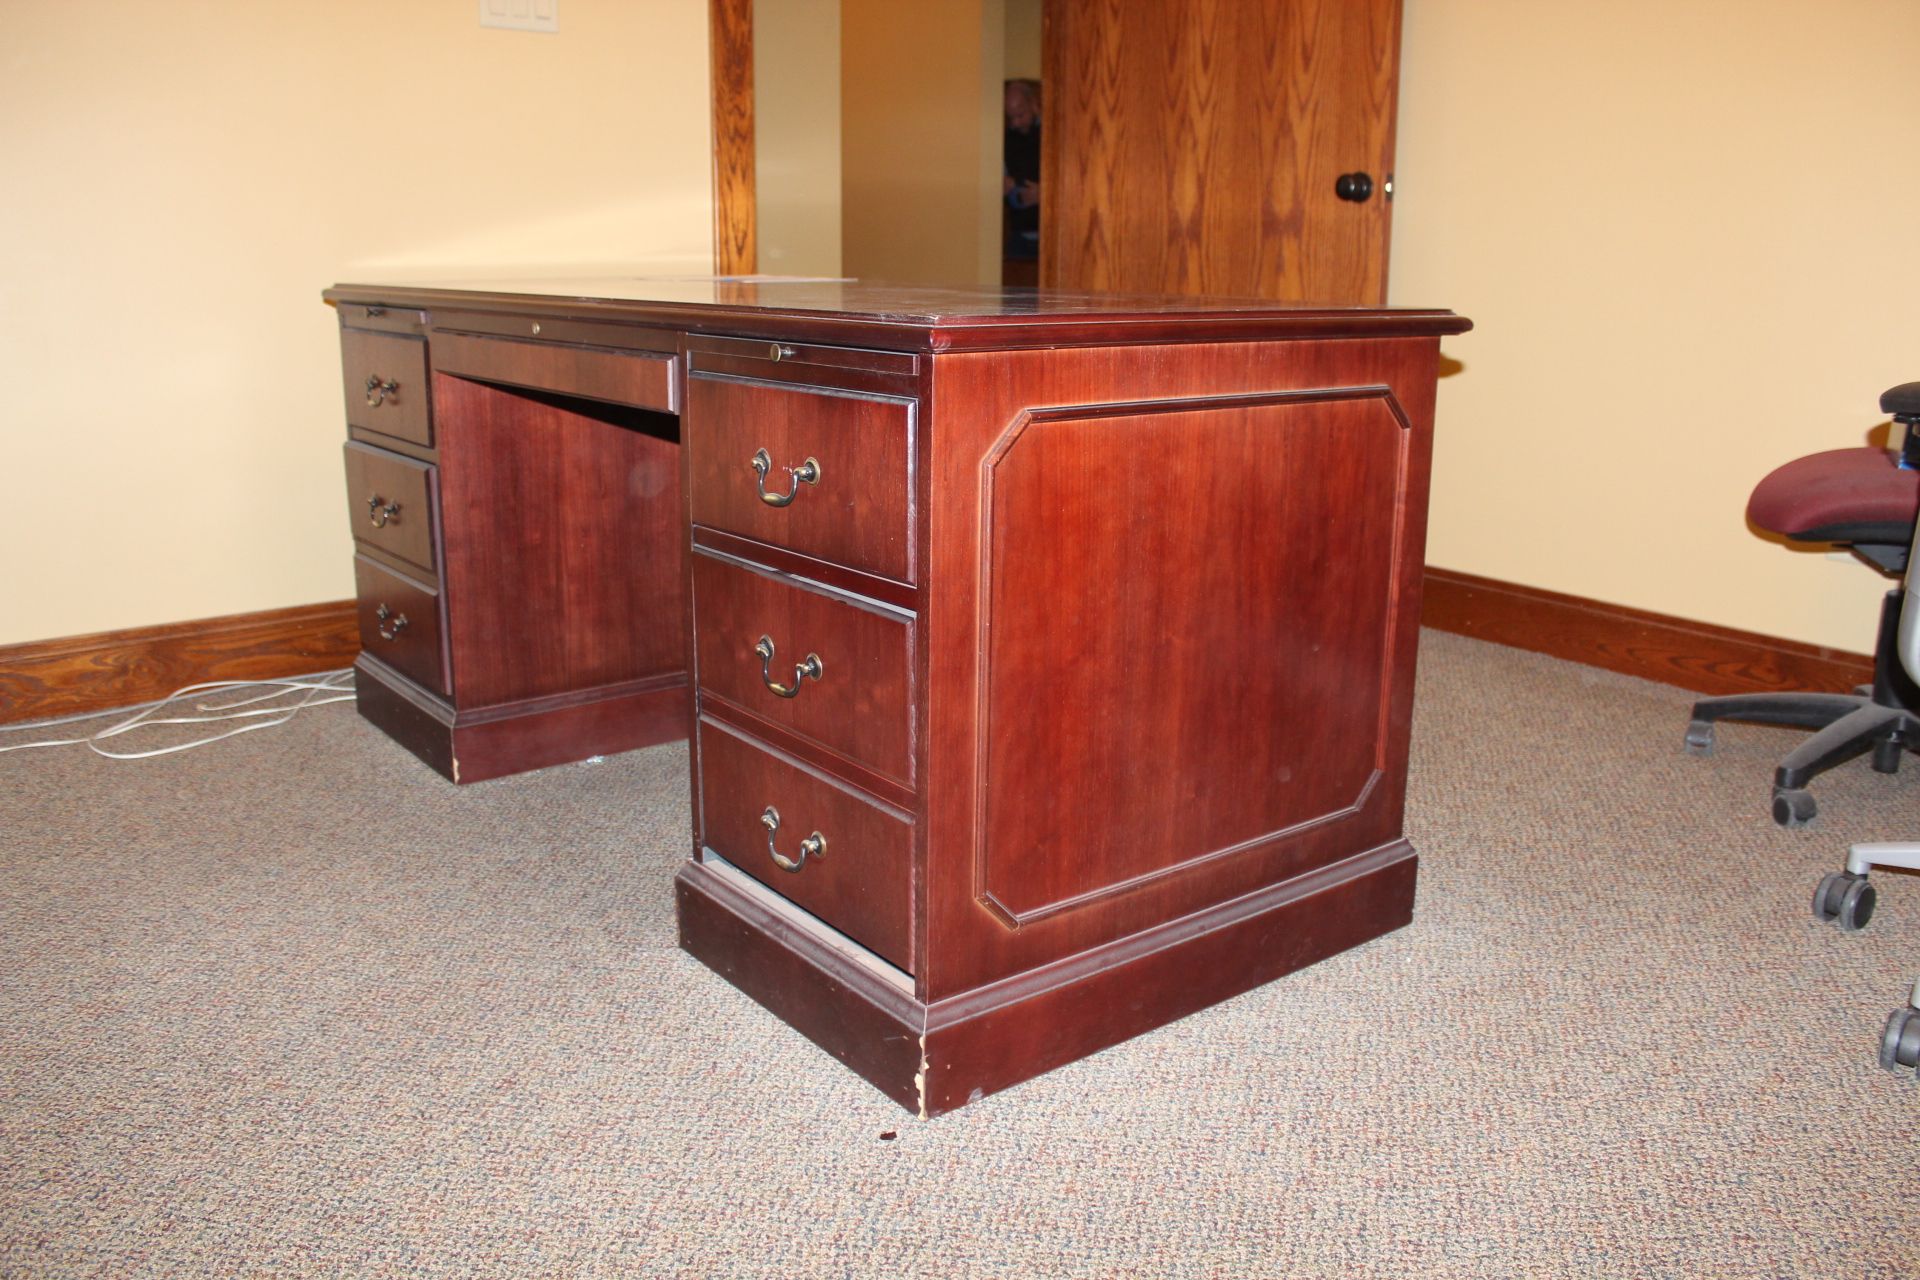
(735, 210)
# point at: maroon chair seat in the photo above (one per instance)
(1843, 495)
(1863, 499)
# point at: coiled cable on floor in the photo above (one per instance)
(306, 691)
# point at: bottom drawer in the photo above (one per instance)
(400, 623)
(756, 807)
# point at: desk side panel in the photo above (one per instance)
(1172, 633)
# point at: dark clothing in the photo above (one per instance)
(1023, 165)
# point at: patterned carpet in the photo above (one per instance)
(292, 1005)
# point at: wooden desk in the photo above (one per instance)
(1051, 657)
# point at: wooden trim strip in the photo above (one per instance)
(730, 31)
(78, 674)
(1693, 655)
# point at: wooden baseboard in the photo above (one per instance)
(121, 668)
(1693, 655)
(109, 669)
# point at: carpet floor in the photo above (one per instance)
(292, 1005)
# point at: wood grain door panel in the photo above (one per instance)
(1193, 147)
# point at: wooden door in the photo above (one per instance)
(1195, 146)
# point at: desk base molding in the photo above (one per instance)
(490, 742)
(934, 1058)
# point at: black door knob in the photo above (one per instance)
(1353, 186)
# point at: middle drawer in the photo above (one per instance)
(831, 670)
(392, 500)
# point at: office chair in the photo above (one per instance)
(1864, 498)
(1845, 897)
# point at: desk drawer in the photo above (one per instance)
(854, 699)
(385, 379)
(755, 804)
(391, 499)
(642, 379)
(857, 507)
(400, 624)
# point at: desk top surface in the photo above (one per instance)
(926, 317)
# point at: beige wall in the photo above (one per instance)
(1685, 232)
(921, 124)
(796, 135)
(183, 180)
(1023, 39)
(1687, 235)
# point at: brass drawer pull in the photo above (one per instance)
(379, 391)
(382, 514)
(399, 623)
(814, 846)
(807, 472)
(811, 669)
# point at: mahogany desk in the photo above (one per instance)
(1051, 656)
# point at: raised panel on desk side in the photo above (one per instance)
(976, 401)
(1139, 725)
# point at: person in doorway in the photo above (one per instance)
(1022, 178)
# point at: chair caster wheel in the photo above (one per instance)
(1792, 808)
(1886, 755)
(1846, 899)
(1900, 1046)
(1700, 738)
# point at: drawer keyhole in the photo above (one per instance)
(807, 472)
(382, 513)
(811, 669)
(814, 846)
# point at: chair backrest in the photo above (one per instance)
(1910, 611)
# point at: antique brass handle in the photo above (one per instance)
(399, 623)
(378, 390)
(811, 669)
(807, 472)
(381, 514)
(814, 846)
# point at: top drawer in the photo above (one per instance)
(825, 473)
(385, 378)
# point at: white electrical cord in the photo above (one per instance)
(336, 686)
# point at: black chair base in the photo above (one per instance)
(1884, 720)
